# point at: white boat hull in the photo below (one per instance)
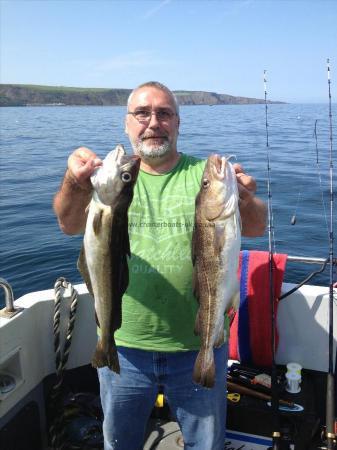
(27, 348)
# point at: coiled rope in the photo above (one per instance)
(56, 430)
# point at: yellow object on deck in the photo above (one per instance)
(160, 401)
(233, 397)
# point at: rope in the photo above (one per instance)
(56, 430)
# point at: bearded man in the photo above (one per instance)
(157, 347)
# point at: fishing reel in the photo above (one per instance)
(285, 439)
(332, 445)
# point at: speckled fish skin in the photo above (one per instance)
(215, 255)
(103, 258)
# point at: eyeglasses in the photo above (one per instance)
(144, 115)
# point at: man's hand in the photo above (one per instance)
(81, 165)
(74, 195)
(246, 185)
(252, 210)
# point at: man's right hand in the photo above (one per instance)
(71, 200)
(81, 165)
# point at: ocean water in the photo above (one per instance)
(36, 142)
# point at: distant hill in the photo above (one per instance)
(35, 95)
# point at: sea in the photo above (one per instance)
(36, 142)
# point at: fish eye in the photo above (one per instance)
(205, 183)
(126, 177)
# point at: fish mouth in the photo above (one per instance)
(217, 172)
(120, 153)
(130, 163)
(218, 166)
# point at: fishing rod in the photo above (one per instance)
(325, 261)
(276, 434)
(294, 217)
(330, 395)
(319, 176)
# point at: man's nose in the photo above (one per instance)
(153, 122)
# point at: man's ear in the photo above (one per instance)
(126, 127)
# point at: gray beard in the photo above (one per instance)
(151, 151)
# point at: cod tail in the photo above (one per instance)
(204, 368)
(106, 356)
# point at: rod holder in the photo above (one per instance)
(9, 310)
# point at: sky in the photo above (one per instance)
(210, 45)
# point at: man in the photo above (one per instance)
(156, 344)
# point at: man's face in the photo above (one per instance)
(156, 136)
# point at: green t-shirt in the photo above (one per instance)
(159, 308)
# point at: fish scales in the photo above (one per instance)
(215, 256)
(103, 258)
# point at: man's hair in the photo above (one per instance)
(157, 85)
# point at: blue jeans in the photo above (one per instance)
(128, 399)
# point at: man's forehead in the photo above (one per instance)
(148, 95)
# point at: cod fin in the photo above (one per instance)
(106, 356)
(231, 205)
(204, 368)
(235, 301)
(119, 244)
(197, 325)
(123, 279)
(220, 338)
(97, 222)
(83, 268)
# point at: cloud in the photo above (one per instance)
(151, 12)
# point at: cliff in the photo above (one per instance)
(34, 95)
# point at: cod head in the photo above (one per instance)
(218, 196)
(114, 180)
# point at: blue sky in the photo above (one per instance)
(220, 46)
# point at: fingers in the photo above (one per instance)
(244, 181)
(82, 163)
(237, 167)
(245, 195)
(246, 185)
(84, 153)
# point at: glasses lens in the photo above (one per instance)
(142, 115)
(164, 115)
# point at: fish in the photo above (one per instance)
(216, 243)
(103, 258)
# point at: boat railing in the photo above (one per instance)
(310, 260)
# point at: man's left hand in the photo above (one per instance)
(246, 185)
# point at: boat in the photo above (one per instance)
(47, 339)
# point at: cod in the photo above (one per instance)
(216, 245)
(103, 258)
